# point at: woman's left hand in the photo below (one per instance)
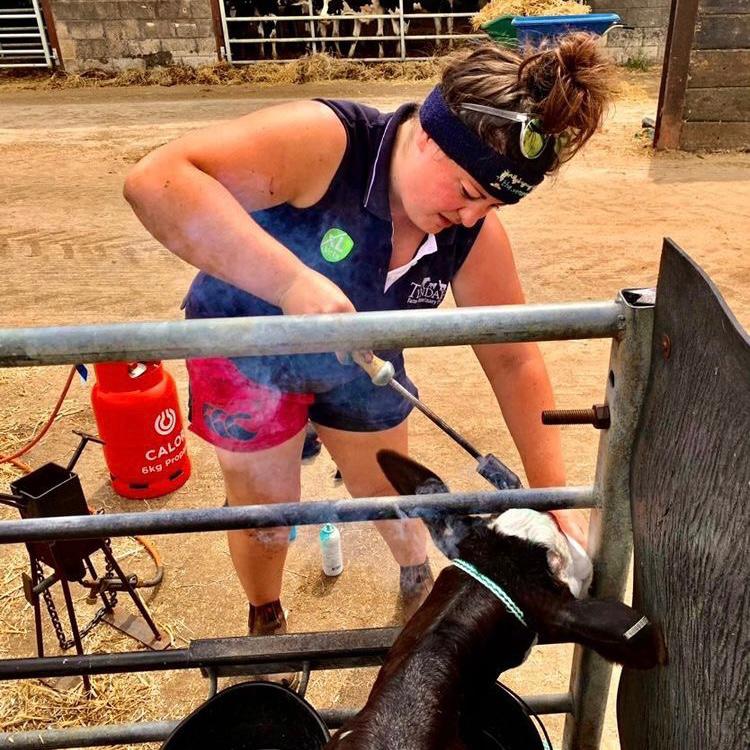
(575, 523)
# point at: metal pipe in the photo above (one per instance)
(611, 534)
(43, 35)
(288, 334)
(237, 655)
(358, 59)
(435, 419)
(401, 30)
(227, 41)
(158, 731)
(384, 38)
(291, 514)
(345, 17)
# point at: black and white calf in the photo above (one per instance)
(329, 12)
(508, 585)
(257, 9)
(439, 6)
(379, 8)
(449, 6)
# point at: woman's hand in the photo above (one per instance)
(310, 293)
(573, 522)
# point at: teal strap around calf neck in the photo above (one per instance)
(509, 604)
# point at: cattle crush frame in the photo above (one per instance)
(628, 321)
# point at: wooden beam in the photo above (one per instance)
(718, 67)
(218, 28)
(690, 474)
(714, 136)
(726, 104)
(49, 22)
(722, 7)
(674, 78)
(728, 31)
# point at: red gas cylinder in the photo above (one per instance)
(138, 415)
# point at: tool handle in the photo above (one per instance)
(380, 371)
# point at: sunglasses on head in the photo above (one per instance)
(533, 138)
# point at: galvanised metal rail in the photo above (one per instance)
(24, 45)
(292, 514)
(307, 334)
(627, 321)
(158, 731)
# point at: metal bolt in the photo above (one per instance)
(597, 415)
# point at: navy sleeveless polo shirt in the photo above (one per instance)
(346, 236)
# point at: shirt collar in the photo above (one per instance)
(377, 200)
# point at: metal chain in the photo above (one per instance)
(109, 573)
(66, 643)
(53, 616)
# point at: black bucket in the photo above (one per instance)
(498, 720)
(251, 716)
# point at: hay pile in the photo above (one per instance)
(497, 8)
(318, 67)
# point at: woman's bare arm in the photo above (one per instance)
(516, 371)
(194, 195)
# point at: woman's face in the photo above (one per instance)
(435, 192)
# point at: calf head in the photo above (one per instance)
(525, 553)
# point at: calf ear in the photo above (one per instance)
(411, 478)
(612, 629)
(407, 476)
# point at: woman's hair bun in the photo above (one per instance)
(568, 83)
(565, 82)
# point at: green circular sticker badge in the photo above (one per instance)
(336, 245)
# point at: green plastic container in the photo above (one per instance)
(501, 30)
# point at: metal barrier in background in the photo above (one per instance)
(297, 30)
(23, 36)
(628, 322)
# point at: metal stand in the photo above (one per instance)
(55, 491)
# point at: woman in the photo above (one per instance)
(326, 207)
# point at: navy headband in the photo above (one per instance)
(501, 177)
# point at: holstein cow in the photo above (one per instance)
(258, 9)
(380, 8)
(513, 578)
(329, 12)
(449, 6)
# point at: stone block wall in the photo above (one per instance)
(647, 40)
(123, 34)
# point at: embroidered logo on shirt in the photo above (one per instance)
(428, 292)
(336, 245)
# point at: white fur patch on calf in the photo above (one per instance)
(567, 560)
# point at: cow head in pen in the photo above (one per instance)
(525, 553)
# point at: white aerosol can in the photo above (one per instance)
(330, 547)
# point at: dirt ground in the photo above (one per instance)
(73, 253)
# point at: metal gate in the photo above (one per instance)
(23, 36)
(300, 27)
(628, 322)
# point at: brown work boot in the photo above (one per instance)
(415, 583)
(270, 619)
